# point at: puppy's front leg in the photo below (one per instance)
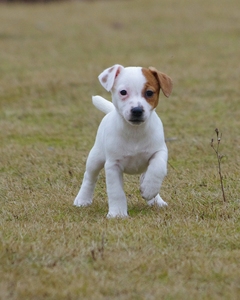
(151, 181)
(117, 201)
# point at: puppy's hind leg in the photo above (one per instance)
(158, 201)
(93, 167)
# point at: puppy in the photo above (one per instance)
(130, 138)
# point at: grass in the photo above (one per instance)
(50, 58)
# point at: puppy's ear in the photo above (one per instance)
(164, 80)
(108, 76)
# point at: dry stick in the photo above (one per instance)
(101, 249)
(219, 158)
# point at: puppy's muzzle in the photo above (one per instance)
(137, 115)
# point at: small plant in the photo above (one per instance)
(219, 158)
(99, 251)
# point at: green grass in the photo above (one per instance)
(50, 58)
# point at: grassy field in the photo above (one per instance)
(50, 58)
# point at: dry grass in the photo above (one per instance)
(50, 58)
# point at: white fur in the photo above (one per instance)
(122, 146)
(102, 104)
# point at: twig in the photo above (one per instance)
(219, 158)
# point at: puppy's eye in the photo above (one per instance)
(149, 93)
(123, 92)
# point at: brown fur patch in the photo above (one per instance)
(153, 85)
(104, 79)
(164, 80)
(110, 69)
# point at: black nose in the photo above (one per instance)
(137, 111)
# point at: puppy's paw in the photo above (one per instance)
(112, 215)
(117, 211)
(158, 201)
(80, 202)
(149, 188)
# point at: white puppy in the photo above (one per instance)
(130, 138)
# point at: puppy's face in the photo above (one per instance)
(135, 90)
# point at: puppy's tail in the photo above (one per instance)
(103, 104)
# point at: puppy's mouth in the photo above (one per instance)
(136, 121)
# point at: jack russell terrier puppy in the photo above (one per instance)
(130, 138)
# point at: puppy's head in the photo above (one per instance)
(135, 90)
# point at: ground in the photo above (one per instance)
(51, 55)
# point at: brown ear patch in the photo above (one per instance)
(152, 85)
(164, 80)
(155, 81)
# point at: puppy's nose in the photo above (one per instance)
(137, 111)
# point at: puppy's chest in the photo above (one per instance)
(134, 163)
